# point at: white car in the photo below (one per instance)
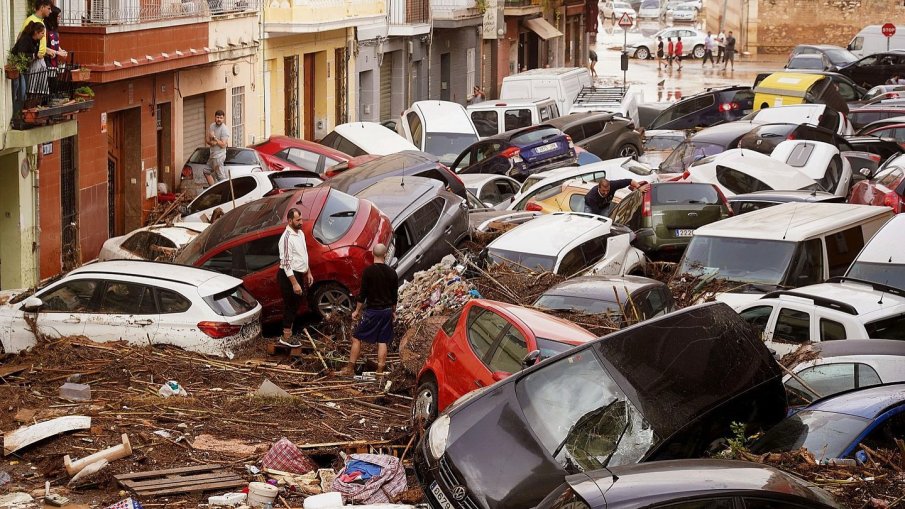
(441, 128)
(802, 114)
(569, 243)
(615, 10)
(651, 9)
(692, 43)
(820, 161)
(742, 171)
(612, 169)
(493, 191)
(158, 242)
(882, 260)
(143, 303)
(842, 365)
(363, 138)
(239, 161)
(843, 309)
(229, 194)
(684, 13)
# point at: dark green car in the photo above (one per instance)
(665, 217)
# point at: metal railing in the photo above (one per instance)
(42, 94)
(521, 3)
(401, 12)
(128, 12)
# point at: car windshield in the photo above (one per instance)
(806, 62)
(664, 142)
(636, 167)
(534, 136)
(581, 417)
(755, 261)
(336, 217)
(684, 194)
(232, 302)
(826, 435)
(448, 146)
(585, 304)
(650, 4)
(840, 56)
(688, 152)
(526, 260)
(234, 155)
(889, 274)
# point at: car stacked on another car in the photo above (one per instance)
(493, 191)
(287, 153)
(518, 153)
(156, 243)
(406, 163)
(749, 202)
(626, 299)
(605, 135)
(886, 188)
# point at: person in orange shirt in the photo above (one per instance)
(670, 51)
(679, 49)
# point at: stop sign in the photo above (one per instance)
(888, 29)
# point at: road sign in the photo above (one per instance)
(888, 29)
(625, 22)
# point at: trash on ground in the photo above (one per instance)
(75, 392)
(88, 471)
(25, 436)
(14, 500)
(172, 388)
(110, 454)
(227, 499)
(371, 479)
(285, 456)
(195, 479)
(229, 447)
(269, 389)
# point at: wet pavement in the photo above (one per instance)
(670, 85)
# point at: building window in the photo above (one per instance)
(238, 117)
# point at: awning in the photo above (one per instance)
(543, 28)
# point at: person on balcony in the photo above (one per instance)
(28, 44)
(55, 64)
(43, 9)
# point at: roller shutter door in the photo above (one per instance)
(193, 125)
(386, 87)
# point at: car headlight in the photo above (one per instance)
(437, 436)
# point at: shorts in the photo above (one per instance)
(215, 167)
(376, 326)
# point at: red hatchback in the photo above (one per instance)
(887, 188)
(485, 342)
(340, 231)
(286, 153)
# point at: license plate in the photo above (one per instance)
(543, 149)
(684, 233)
(441, 498)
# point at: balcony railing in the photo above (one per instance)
(521, 3)
(407, 12)
(47, 96)
(129, 12)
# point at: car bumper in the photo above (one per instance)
(439, 475)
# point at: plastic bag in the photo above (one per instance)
(171, 388)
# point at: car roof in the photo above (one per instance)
(722, 133)
(390, 164)
(374, 138)
(548, 71)
(208, 282)
(868, 402)
(863, 298)
(607, 288)
(887, 245)
(516, 102)
(818, 46)
(785, 196)
(792, 221)
(884, 122)
(858, 347)
(444, 117)
(542, 324)
(396, 195)
(579, 118)
(289, 141)
(750, 162)
(559, 231)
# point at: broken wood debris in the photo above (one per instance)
(173, 481)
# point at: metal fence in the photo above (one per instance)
(127, 12)
(43, 93)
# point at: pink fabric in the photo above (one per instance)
(285, 456)
(378, 489)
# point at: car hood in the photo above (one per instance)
(736, 300)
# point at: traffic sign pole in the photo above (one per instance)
(625, 22)
(889, 30)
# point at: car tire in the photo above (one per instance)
(329, 297)
(698, 51)
(424, 406)
(642, 53)
(628, 150)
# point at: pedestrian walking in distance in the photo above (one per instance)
(294, 277)
(708, 50)
(670, 51)
(730, 51)
(592, 62)
(679, 49)
(659, 52)
(720, 47)
(217, 140)
(600, 199)
(378, 298)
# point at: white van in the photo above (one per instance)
(871, 40)
(561, 84)
(496, 117)
(441, 128)
(883, 258)
(362, 138)
(785, 246)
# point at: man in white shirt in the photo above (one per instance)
(293, 277)
(720, 47)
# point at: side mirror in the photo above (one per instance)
(531, 359)
(865, 172)
(32, 305)
(394, 262)
(500, 375)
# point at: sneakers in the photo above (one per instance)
(291, 343)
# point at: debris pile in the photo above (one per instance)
(438, 290)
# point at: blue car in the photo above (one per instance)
(518, 153)
(835, 426)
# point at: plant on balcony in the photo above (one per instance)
(481, 5)
(16, 64)
(84, 93)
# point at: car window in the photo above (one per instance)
(792, 326)
(709, 503)
(576, 203)
(761, 503)
(240, 156)
(415, 128)
(807, 265)
(336, 217)
(490, 194)
(484, 326)
(889, 179)
(534, 135)
(507, 188)
(594, 249)
(403, 238)
(887, 328)
(69, 297)
(545, 114)
(575, 132)
(146, 245)
(127, 298)
(757, 318)
(301, 158)
(233, 302)
(222, 192)
(654, 304)
(887, 433)
(449, 326)
(684, 194)
(426, 217)
(508, 355)
(335, 140)
(169, 301)
(738, 182)
(683, 108)
(831, 330)
(828, 379)
(571, 263)
(842, 248)
(847, 91)
(486, 122)
(514, 119)
(290, 180)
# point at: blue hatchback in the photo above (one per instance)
(835, 426)
(518, 153)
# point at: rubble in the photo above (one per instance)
(26, 436)
(112, 453)
(438, 290)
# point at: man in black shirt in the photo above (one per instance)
(600, 199)
(378, 297)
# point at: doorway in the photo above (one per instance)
(529, 49)
(125, 181)
(164, 144)
(69, 217)
(445, 63)
(309, 81)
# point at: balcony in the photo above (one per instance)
(50, 96)
(408, 17)
(454, 9)
(522, 7)
(127, 13)
(308, 16)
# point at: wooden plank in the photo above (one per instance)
(178, 481)
(196, 488)
(12, 370)
(157, 473)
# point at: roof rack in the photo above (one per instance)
(880, 287)
(818, 301)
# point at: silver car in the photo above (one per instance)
(692, 42)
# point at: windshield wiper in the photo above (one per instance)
(616, 444)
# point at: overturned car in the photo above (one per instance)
(664, 389)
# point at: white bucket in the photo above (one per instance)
(332, 500)
(260, 493)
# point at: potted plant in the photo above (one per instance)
(16, 64)
(84, 93)
(81, 74)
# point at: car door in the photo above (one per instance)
(487, 159)
(507, 355)
(126, 310)
(758, 319)
(66, 307)
(432, 242)
(467, 359)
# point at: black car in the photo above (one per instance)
(765, 137)
(688, 484)
(883, 147)
(705, 143)
(875, 69)
(518, 153)
(712, 107)
(627, 299)
(749, 202)
(637, 395)
(837, 56)
(605, 135)
(405, 163)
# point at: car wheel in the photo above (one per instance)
(330, 297)
(698, 51)
(424, 407)
(628, 150)
(642, 53)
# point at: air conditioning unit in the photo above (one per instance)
(117, 12)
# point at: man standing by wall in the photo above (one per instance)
(217, 140)
(730, 51)
(379, 295)
(294, 276)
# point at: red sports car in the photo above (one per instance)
(485, 342)
(340, 231)
(286, 153)
(887, 188)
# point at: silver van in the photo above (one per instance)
(496, 117)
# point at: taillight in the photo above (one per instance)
(892, 201)
(645, 207)
(728, 107)
(274, 192)
(510, 152)
(533, 207)
(874, 157)
(219, 330)
(791, 136)
(723, 199)
(186, 172)
(685, 175)
(569, 139)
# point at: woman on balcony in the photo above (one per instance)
(28, 44)
(54, 60)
